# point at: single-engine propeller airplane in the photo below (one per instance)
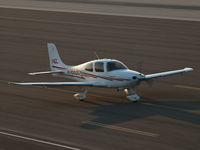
(100, 73)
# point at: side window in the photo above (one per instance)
(99, 67)
(89, 67)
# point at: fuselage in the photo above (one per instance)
(109, 72)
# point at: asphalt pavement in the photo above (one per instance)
(167, 116)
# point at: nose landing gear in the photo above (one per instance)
(131, 95)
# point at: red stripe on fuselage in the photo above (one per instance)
(103, 77)
(90, 75)
(59, 67)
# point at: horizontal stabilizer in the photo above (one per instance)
(45, 72)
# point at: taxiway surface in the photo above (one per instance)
(167, 117)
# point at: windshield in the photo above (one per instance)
(114, 65)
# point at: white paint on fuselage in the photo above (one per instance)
(116, 78)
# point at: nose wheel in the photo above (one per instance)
(131, 95)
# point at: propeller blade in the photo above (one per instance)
(150, 82)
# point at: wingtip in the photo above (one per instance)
(31, 74)
(16, 83)
(12, 83)
(9, 83)
(188, 69)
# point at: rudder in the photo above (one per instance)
(54, 58)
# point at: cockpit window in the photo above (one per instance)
(99, 67)
(114, 65)
(89, 67)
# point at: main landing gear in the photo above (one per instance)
(131, 95)
(81, 96)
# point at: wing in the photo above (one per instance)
(168, 73)
(45, 72)
(59, 83)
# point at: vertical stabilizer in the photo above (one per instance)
(54, 58)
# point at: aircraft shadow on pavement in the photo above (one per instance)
(119, 112)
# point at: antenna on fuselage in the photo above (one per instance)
(96, 55)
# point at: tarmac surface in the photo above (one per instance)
(173, 9)
(167, 116)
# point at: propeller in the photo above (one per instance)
(139, 67)
(147, 81)
(150, 82)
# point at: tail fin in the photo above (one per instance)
(54, 58)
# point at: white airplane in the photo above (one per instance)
(100, 73)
